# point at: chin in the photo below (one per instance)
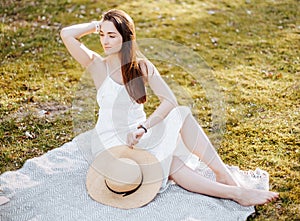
(108, 52)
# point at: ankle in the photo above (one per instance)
(221, 170)
(237, 194)
(233, 193)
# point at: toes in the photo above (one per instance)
(273, 197)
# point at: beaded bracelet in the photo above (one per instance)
(141, 126)
(97, 26)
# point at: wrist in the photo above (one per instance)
(142, 127)
(97, 26)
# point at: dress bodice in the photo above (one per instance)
(118, 111)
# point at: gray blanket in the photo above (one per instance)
(52, 187)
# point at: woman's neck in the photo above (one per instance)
(114, 62)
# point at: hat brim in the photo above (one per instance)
(99, 169)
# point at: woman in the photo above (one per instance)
(120, 80)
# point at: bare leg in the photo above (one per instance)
(198, 143)
(194, 182)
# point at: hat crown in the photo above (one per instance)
(125, 178)
(140, 168)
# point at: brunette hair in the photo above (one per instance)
(132, 74)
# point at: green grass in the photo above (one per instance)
(252, 47)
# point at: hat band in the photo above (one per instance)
(125, 193)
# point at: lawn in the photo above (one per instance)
(247, 100)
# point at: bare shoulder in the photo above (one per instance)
(97, 65)
(97, 69)
(147, 67)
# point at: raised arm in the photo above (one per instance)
(71, 35)
(86, 57)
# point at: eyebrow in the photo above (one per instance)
(110, 32)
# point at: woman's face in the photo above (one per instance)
(111, 39)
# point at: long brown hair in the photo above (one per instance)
(132, 74)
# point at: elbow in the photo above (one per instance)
(172, 103)
(64, 33)
(175, 105)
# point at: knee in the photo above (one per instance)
(184, 108)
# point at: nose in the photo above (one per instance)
(105, 40)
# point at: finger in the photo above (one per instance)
(137, 138)
(129, 139)
(141, 131)
(139, 134)
(134, 141)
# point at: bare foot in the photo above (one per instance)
(252, 197)
(227, 178)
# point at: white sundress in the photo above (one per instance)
(119, 114)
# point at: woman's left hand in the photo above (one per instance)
(134, 137)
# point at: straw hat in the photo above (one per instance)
(123, 177)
